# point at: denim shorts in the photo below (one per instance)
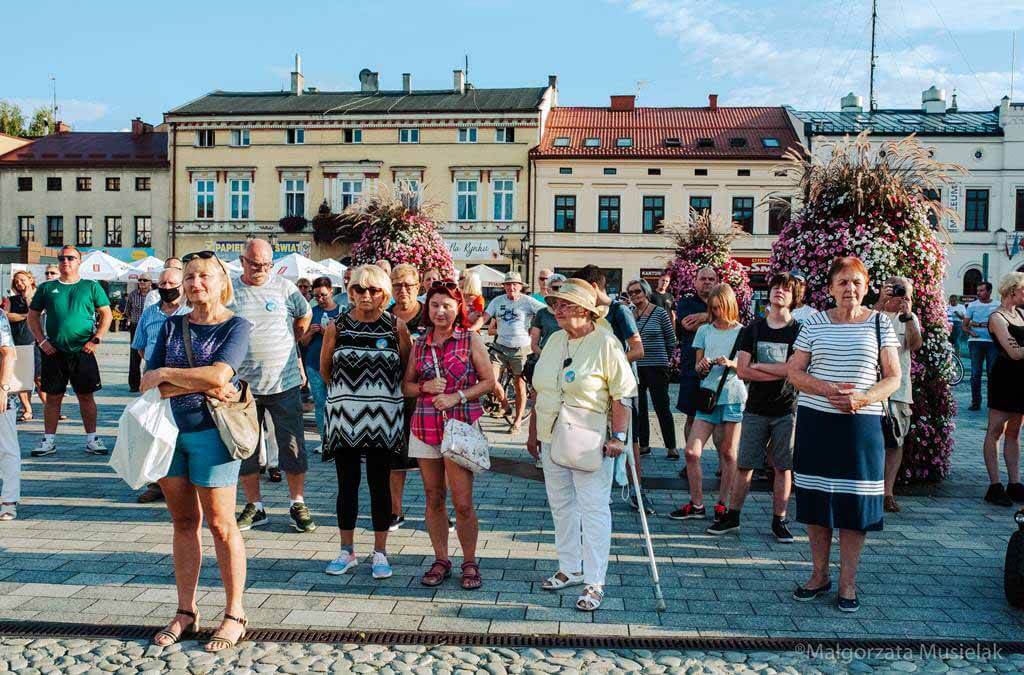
(723, 412)
(203, 458)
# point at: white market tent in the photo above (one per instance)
(150, 265)
(100, 266)
(488, 275)
(234, 267)
(335, 270)
(295, 266)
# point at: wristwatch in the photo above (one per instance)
(5, 387)
(619, 436)
(95, 339)
(905, 317)
(462, 396)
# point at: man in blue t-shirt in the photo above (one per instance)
(691, 314)
(979, 340)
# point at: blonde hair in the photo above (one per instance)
(405, 270)
(227, 292)
(28, 275)
(471, 284)
(371, 275)
(722, 304)
(1011, 283)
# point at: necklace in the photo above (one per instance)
(568, 359)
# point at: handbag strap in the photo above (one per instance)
(878, 364)
(725, 371)
(186, 336)
(437, 368)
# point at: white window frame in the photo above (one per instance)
(501, 135)
(240, 138)
(409, 135)
(295, 136)
(235, 184)
(471, 198)
(290, 187)
(467, 135)
(205, 138)
(204, 182)
(357, 136)
(347, 190)
(503, 198)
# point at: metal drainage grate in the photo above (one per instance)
(39, 629)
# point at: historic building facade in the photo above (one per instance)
(91, 189)
(606, 181)
(242, 161)
(987, 239)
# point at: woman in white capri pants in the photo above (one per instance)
(10, 452)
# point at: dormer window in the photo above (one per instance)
(562, 142)
(769, 142)
(737, 142)
(592, 142)
(705, 143)
(624, 142)
(673, 142)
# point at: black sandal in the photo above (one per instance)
(192, 627)
(223, 642)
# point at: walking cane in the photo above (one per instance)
(659, 604)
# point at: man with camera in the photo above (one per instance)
(896, 300)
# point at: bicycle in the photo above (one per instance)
(958, 370)
(489, 402)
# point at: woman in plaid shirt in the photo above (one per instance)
(465, 375)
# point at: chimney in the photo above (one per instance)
(713, 102)
(851, 103)
(952, 106)
(407, 83)
(459, 81)
(139, 127)
(62, 128)
(297, 80)
(625, 103)
(369, 81)
(553, 87)
(933, 100)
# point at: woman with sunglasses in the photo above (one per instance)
(405, 283)
(448, 372)
(362, 363)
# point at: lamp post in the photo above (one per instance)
(517, 257)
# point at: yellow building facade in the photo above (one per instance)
(241, 161)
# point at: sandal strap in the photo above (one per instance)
(475, 574)
(185, 612)
(236, 619)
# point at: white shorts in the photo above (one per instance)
(420, 450)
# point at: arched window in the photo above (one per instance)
(972, 278)
(1021, 268)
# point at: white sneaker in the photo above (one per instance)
(96, 447)
(8, 512)
(345, 561)
(381, 568)
(45, 448)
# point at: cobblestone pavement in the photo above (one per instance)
(106, 656)
(83, 550)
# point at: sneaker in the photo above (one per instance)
(45, 448)
(153, 493)
(1015, 491)
(250, 517)
(804, 594)
(889, 504)
(96, 447)
(847, 604)
(648, 509)
(688, 511)
(729, 522)
(644, 450)
(381, 568)
(720, 510)
(672, 454)
(995, 495)
(345, 561)
(396, 522)
(274, 474)
(780, 528)
(301, 518)
(319, 449)
(8, 512)
(451, 525)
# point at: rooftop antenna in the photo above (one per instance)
(872, 103)
(1013, 60)
(52, 126)
(467, 68)
(640, 84)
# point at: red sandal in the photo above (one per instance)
(438, 572)
(471, 580)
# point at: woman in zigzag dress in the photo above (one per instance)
(362, 362)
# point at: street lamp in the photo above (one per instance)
(1000, 236)
(515, 256)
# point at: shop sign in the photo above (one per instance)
(127, 255)
(755, 265)
(473, 249)
(954, 206)
(230, 250)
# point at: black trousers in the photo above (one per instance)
(378, 477)
(654, 379)
(134, 363)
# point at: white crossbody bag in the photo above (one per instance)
(578, 434)
(464, 444)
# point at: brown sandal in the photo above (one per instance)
(191, 627)
(218, 642)
(471, 580)
(438, 572)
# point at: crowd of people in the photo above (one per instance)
(392, 355)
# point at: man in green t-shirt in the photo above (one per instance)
(77, 317)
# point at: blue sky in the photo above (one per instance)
(114, 60)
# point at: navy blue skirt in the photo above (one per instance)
(839, 470)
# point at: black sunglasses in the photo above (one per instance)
(65, 258)
(372, 290)
(446, 283)
(203, 255)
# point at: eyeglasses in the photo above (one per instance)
(636, 291)
(356, 289)
(322, 296)
(257, 265)
(446, 283)
(305, 286)
(66, 258)
(203, 255)
(404, 287)
(544, 278)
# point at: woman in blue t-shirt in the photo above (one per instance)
(203, 476)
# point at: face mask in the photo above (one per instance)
(169, 294)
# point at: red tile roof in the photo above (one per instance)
(649, 127)
(91, 149)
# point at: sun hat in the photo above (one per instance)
(581, 293)
(512, 278)
(555, 278)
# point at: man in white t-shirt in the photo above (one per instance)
(956, 312)
(514, 313)
(979, 341)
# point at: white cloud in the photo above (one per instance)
(71, 110)
(787, 55)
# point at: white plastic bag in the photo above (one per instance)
(145, 440)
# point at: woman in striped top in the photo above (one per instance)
(659, 340)
(839, 457)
